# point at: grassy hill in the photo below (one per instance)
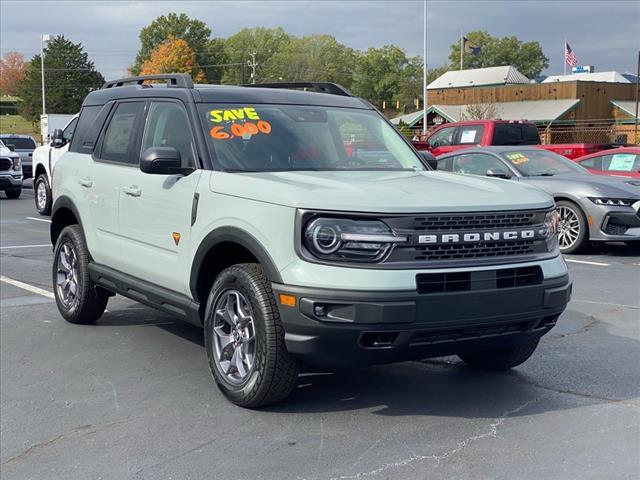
(17, 124)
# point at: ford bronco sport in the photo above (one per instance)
(240, 209)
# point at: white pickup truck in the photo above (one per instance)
(44, 159)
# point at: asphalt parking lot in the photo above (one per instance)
(131, 397)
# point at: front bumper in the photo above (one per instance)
(8, 182)
(615, 223)
(338, 328)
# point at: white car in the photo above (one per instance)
(10, 172)
(44, 159)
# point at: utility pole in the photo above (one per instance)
(253, 64)
(635, 130)
(424, 71)
(43, 39)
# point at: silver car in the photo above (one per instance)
(23, 145)
(591, 207)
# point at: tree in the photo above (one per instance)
(12, 71)
(174, 55)
(69, 77)
(481, 111)
(265, 42)
(312, 58)
(387, 74)
(527, 57)
(195, 32)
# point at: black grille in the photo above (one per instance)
(486, 221)
(616, 228)
(427, 283)
(460, 252)
(6, 164)
(479, 250)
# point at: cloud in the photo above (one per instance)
(605, 37)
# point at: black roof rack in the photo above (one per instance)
(320, 87)
(177, 80)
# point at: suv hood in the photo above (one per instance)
(386, 192)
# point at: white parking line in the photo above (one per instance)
(597, 264)
(26, 246)
(27, 287)
(39, 219)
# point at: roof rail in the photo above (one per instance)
(320, 87)
(177, 80)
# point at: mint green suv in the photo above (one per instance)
(299, 228)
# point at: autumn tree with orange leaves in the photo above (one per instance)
(12, 71)
(173, 56)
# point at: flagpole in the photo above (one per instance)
(564, 58)
(461, 48)
(424, 72)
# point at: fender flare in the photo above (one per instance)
(60, 203)
(235, 235)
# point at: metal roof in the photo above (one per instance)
(627, 106)
(612, 77)
(532, 110)
(477, 77)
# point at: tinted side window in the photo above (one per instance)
(476, 163)
(119, 138)
(67, 134)
(530, 134)
(469, 135)
(85, 121)
(168, 126)
(592, 162)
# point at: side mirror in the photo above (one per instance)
(11, 147)
(57, 139)
(498, 173)
(162, 161)
(429, 158)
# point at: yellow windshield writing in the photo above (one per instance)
(230, 115)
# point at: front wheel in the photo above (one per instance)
(13, 193)
(77, 298)
(574, 230)
(42, 194)
(244, 339)
(502, 359)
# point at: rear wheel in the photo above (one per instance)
(574, 230)
(244, 339)
(502, 359)
(13, 193)
(78, 299)
(42, 194)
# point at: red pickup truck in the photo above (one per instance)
(483, 133)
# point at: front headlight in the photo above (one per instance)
(552, 225)
(16, 163)
(344, 239)
(616, 202)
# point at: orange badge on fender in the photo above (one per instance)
(176, 237)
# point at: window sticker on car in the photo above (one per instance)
(622, 162)
(237, 124)
(468, 136)
(517, 158)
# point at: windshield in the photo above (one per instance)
(532, 163)
(267, 138)
(20, 143)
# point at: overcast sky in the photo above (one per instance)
(602, 33)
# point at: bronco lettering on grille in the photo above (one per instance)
(475, 237)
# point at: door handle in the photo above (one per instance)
(133, 190)
(85, 182)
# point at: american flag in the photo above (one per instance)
(569, 56)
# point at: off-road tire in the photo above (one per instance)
(13, 193)
(42, 179)
(582, 242)
(274, 372)
(91, 302)
(503, 359)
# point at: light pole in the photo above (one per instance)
(43, 39)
